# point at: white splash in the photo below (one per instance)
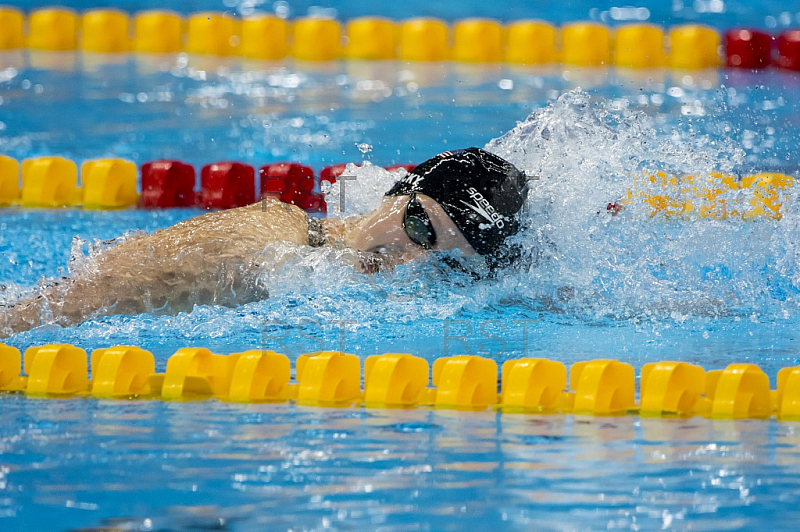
(581, 154)
(358, 190)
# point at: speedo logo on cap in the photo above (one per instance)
(484, 208)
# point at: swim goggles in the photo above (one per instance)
(417, 224)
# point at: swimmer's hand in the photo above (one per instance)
(16, 317)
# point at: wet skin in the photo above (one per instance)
(381, 232)
(213, 259)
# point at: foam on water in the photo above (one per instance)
(585, 156)
(358, 190)
(581, 155)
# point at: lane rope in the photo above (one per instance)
(52, 181)
(401, 380)
(472, 40)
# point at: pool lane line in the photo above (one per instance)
(52, 182)
(401, 380)
(267, 37)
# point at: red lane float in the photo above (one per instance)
(286, 180)
(227, 184)
(292, 183)
(789, 50)
(396, 167)
(746, 48)
(312, 203)
(167, 183)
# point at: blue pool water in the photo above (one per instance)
(627, 287)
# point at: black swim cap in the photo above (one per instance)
(481, 192)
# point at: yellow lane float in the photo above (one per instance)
(392, 380)
(715, 196)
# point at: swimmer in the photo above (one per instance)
(465, 200)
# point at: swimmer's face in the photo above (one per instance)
(384, 235)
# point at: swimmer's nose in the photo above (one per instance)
(385, 243)
(393, 248)
(384, 235)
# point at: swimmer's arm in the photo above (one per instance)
(204, 260)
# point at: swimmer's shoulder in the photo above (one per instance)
(269, 209)
(260, 223)
(273, 219)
